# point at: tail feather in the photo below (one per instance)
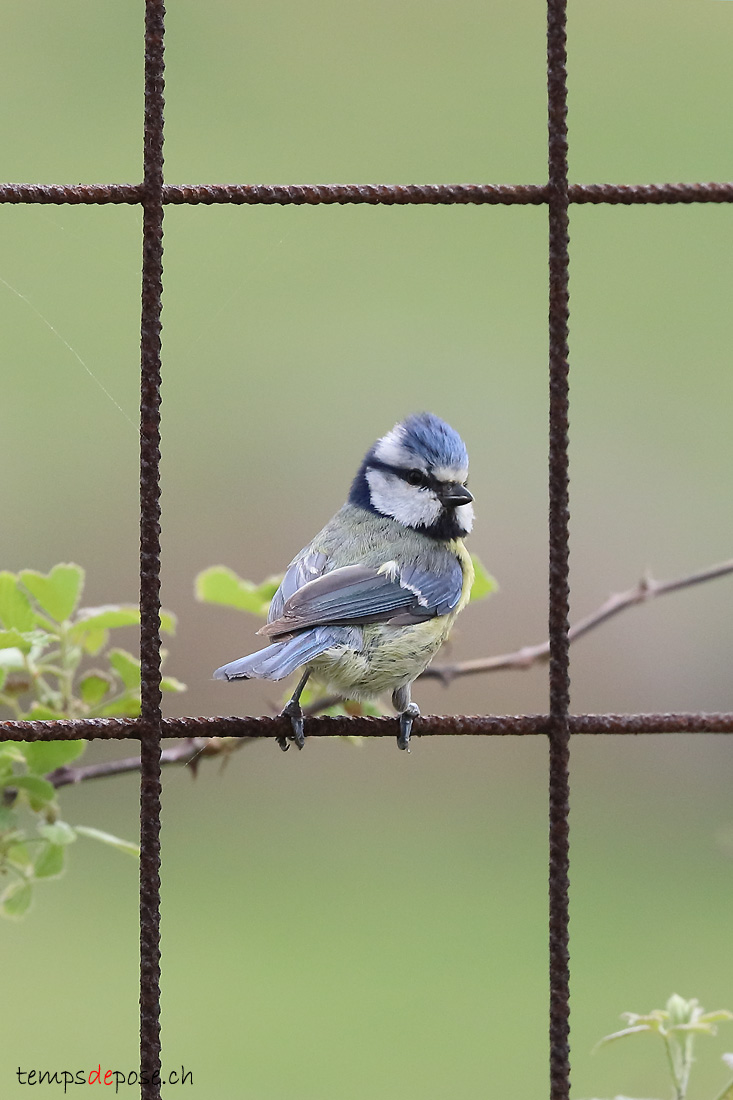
(277, 661)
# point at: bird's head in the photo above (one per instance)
(416, 474)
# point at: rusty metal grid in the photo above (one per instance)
(558, 724)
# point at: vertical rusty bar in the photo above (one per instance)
(150, 718)
(559, 560)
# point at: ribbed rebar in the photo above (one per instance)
(559, 591)
(523, 725)
(150, 719)
(370, 194)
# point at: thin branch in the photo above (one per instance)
(646, 589)
(189, 751)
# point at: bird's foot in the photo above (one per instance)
(406, 719)
(294, 712)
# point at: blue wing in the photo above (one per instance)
(278, 660)
(314, 610)
(358, 594)
(306, 567)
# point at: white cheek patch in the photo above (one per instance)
(464, 515)
(409, 505)
(392, 452)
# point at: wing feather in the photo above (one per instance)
(306, 567)
(359, 594)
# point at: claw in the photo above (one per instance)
(406, 719)
(295, 714)
(298, 734)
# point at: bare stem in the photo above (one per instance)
(646, 589)
(187, 752)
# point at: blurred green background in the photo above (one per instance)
(354, 922)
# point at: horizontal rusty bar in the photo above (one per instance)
(431, 194)
(77, 194)
(368, 194)
(626, 194)
(428, 726)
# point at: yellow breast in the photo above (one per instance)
(459, 549)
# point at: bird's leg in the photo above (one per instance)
(408, 711)
(293, 711)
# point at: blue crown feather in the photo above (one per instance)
(430, 443)
(430, 438)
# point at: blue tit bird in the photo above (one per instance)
(367, 604)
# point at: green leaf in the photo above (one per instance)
(717, 1016)
(267, 589)
(57, 592)
(106, 617)
(39, 712)
(107, 838)
(16, 612)
(91, 638)
(168, 622)
(623, 1033)
(126, 666)
(50, 861)
(110, 616)
(43, 757)
(170, 683)
(16, 900)
(58, 832)
(11, 642)
(484, 584)
(93, 687)
(39, 791)
(127, 706)
(8, 819)
(13, 751)
(697, 1027)
(221, 585)
(19, 855)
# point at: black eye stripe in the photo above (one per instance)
(416, 477)
(411, 476)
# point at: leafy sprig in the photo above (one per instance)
(677, 1025)
(46, 642)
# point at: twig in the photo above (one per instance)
(187, 752)
(524, 658)
(192, 749)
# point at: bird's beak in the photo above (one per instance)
(455, 494)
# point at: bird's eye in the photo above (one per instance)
(415, 477)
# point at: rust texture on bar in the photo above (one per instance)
(628, 194)
(150, 720)
(54, 194)
(559, 793)
(433, 194)
(523, 725)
